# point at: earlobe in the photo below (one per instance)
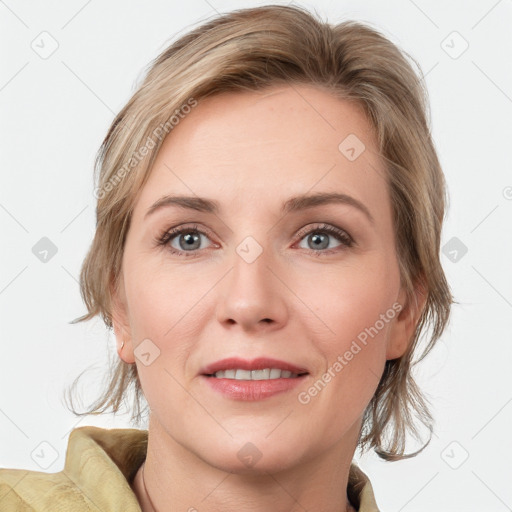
(120, 323)
(404, 327)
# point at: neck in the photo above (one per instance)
(175, 480)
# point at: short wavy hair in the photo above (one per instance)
(250, 50)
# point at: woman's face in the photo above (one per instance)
(263, 271)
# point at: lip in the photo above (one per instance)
(251, 390)
(259, 363)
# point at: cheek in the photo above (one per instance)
(161, 312)
(358, 308)
(165, 307)
(354, 358)
(161, 299)
(348, 302)
(354, 305)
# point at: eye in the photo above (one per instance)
(183, 239)
(187, 239)
(317, 239)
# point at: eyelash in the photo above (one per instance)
(343, 237)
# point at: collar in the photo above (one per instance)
(103, 462)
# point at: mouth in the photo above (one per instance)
(240, 379)
(264, 374)
(263, 368)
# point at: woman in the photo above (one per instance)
(269, 212)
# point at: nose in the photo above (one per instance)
(253, 295)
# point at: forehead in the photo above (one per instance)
(247, 147)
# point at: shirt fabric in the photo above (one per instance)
(100, 465)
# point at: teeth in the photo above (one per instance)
(243, 375)
(275, 373)
(261, 374)
(265, 374)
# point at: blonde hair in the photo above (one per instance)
(252, 49)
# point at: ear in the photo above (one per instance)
(120, 322)
(404, 325)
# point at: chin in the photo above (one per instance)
(256, 455)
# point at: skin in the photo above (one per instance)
(251, 151)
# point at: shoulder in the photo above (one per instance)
(34, 491)
(98, 468)
(10, 500)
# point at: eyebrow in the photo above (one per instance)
(294, 204)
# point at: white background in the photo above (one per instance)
(56, 111)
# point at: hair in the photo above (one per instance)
(250, 50)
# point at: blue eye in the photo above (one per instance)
(188, 240)
(318, 238)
